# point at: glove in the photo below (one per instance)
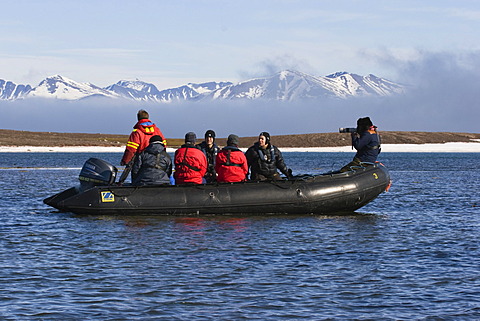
(289, 174)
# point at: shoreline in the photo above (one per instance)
(460, 147)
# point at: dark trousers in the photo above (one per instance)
(355, 163)
(260, 177)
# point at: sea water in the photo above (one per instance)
(411, 254)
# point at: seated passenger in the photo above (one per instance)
(366, 141)
(190, 162)
(153, 165)
(210, 149)
(231, 164)
(264, 159)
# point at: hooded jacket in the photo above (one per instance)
(190, 165)
(153, 166)
(231, 165)
(139, 139)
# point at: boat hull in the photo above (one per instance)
(322, 194)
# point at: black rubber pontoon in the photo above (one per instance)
(321, 194)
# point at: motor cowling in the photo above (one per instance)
(97, 172)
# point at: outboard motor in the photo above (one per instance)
(97, 172)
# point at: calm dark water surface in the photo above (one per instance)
(412, 254)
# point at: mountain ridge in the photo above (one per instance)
(286, 85)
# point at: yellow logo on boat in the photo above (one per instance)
(107, 197)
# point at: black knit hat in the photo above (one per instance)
(363, 124)
(233, 140)
(210, 133)
(156, 138)
(366, 122)
(190, 137)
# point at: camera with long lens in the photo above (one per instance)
(347, 130)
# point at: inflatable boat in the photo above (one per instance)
(329, 193)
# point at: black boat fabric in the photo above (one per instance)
(322, 194)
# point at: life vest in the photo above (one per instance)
(263, 157)
(228, 162)
(184, 163)
(158, 157)
(266, 161)
(210, 153)
(231, 165)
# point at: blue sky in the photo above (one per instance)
(170, 43)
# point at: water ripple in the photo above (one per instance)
(412, 254)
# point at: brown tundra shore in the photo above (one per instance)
(53, 139)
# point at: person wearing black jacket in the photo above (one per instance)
(264, 159)
(154, 165)
(210, 149)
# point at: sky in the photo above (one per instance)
(431, 45)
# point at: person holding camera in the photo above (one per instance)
(366, 140)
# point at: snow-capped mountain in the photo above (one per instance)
(286, 85)
(11, 91)
(291, 85)
(142, 91)
(135, 89)
(63, 88)
(208, 87)
(365, 85)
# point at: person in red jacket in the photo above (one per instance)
(190, 162)
(139, 139)
(231, 164)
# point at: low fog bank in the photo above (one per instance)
(404, 113)
(443, 95)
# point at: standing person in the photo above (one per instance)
(210, 149)
(154, 165)
(264, 159)
(366, 141)
(190, 162)
(139, 139)
(231, 164)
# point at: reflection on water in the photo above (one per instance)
(412, 254)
